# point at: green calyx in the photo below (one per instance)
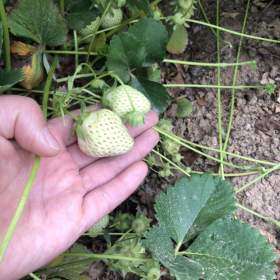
(140, 224)
(107, 99)
(78, 124)
(134, 118)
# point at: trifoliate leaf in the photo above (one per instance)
(178, 40)
(9, 78)
(141, 46)
(216, 247)
(179, 208)
(184, 108)
(231, 250)
(155, 92)
(40, 21)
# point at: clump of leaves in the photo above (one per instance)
(197, 237)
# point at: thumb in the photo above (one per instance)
(22, 119)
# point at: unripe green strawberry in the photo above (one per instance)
(140, 224)
(123, 221)
(128, 103)
(112, 18)
(186, 4)
(90, 29)
(102, 134)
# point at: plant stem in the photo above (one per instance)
(65, 52)
(199, 152)
(47, 87)
(219, 97)
(267, 219)
(211, 86)
(76, 44)
(34, 276)
(61, 6)
(178, 246)
(20, 208)
(241, 174)
(91, 93)
(6, 36)
(232, 102)
(105, 256)
(206, 64)
(81, 76)
(258, 178)
(234, 32)
(181, 140)
(171, 162)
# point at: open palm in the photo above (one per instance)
(71, 192)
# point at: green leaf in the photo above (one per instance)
(187, 204)
(184, 108)
(137, 6)
(232, 250)
(9, 78)
(80, 13)
(178, 40)
(40, 21)
(155, 92)
(161, 246)
(141, 46)
(219, 205)
(1, 37)
(194, 215)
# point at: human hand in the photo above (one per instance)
(71, 192)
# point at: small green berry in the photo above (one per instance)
(166, 125)
(170, 147)
(140, 224)
(123, 221)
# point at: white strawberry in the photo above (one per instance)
(102, 134)
(128, 103)
(112, 18)
(90, 29)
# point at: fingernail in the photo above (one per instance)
(50, 140)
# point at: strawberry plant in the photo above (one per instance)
(118, 55)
